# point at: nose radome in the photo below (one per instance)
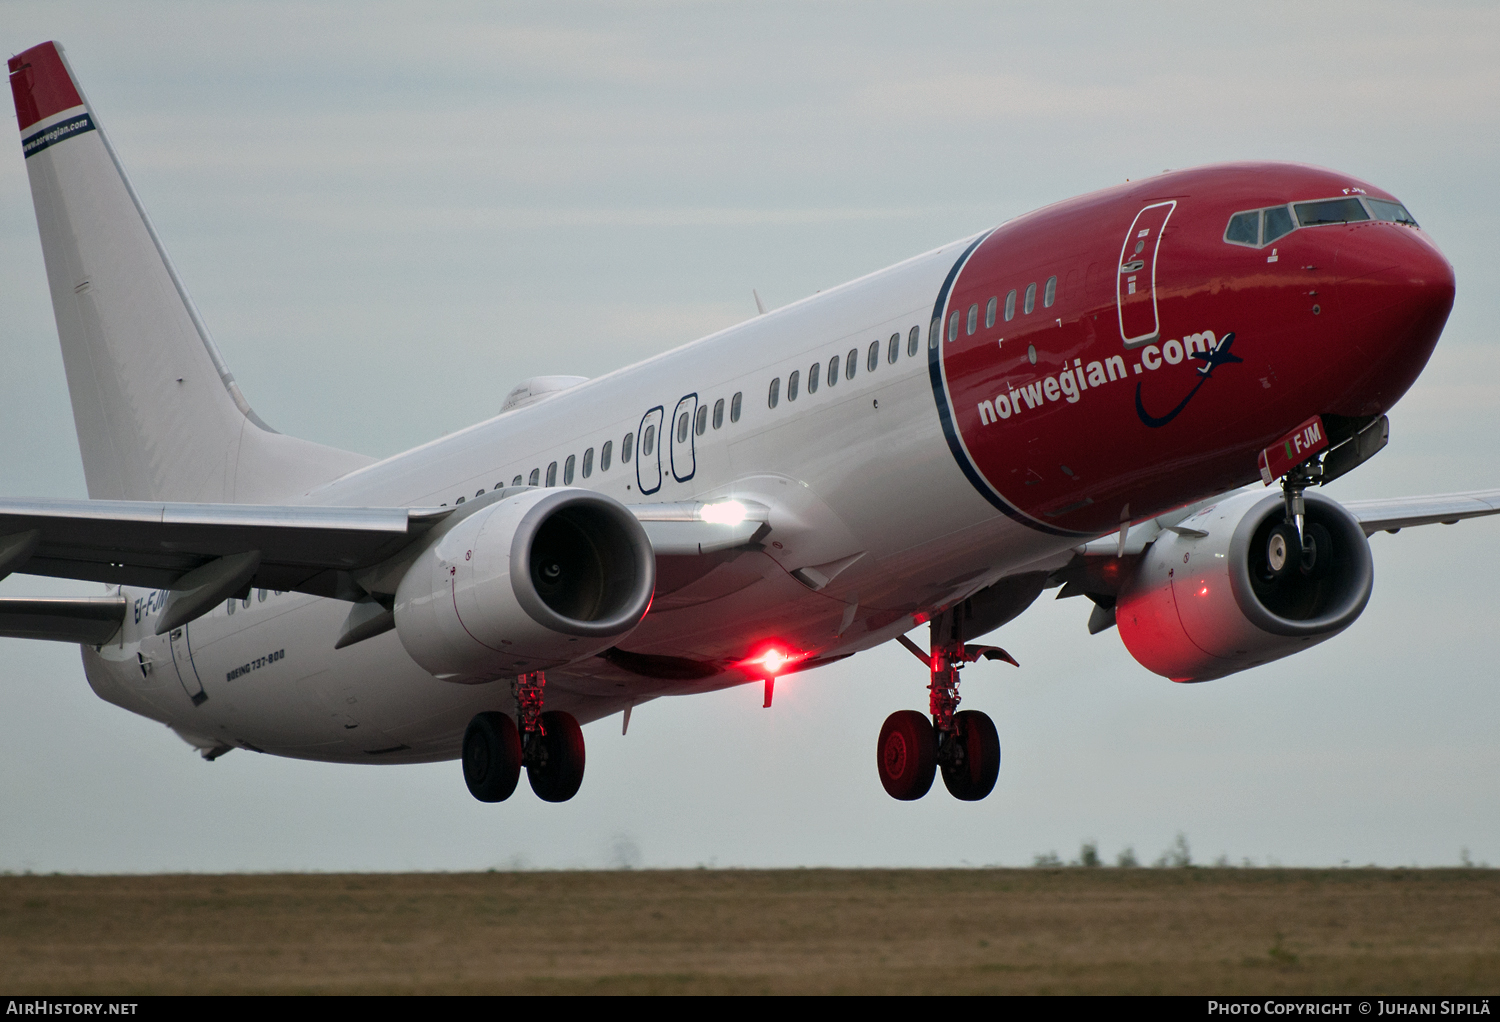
(1401, 264)
(1396, 289)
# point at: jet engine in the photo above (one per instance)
(528, 583)
(1233, 587)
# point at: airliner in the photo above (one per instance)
(1132, 397)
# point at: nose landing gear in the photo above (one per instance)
(549, 744)
(963, 744)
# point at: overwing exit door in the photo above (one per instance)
(683, 460)
(1136, 283)
(648, 451)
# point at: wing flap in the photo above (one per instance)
(88, 620)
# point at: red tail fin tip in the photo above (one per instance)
(41, 85)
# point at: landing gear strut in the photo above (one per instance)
(963, 744)
(1297, 545)
(549, 744)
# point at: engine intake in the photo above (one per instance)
(540, 579)
(1199, 607)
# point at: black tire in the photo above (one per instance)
(1317, 551)
(555, 763)
(906, 755)
(973, 760)
(492, 756)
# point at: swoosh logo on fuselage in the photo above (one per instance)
(1217, 356)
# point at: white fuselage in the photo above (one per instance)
(857, 469)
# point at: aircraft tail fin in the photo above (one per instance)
(159, 415)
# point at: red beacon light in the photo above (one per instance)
(768, 663)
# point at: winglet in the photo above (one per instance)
(41, 84)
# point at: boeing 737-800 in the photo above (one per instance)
(1092, 396)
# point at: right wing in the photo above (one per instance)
(1394, 513)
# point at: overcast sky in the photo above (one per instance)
(390, 214)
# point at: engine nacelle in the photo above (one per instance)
(541, 579)
(1201, 607)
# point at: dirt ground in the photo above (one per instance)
(1194, 930)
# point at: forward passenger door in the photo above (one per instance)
(1136, 282)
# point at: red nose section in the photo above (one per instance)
(41, 85)
(1397, 290)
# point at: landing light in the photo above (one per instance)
(725, 512)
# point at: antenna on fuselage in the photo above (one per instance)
(758, 303)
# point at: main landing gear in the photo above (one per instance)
(962, 743)
(549, 744)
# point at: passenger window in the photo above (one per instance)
(627, 447)
(230, 607)
(479, 493)
(516, 481)
(1390, 211)
(1010, 305)
(872, 357)
(718, 413)
(734, 407)
(911, 341)
(460, 500)
(1244, 229)
(260, 595)
(1049, 295)
(893, 349)
(588, 463)
(773, 395)
(1030, 297)
(682, 428)
(851, 363)
(989, 313)
(568, 471)
(536, 477)
(552, 474)
(973, 319)
(814, 375)
(791, 385)
(1278, 224)
(953, 328)
(700, 425)
(604, 453)
(648, 441)
(1329, 211)
(833, 370)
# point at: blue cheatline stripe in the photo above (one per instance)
(950, 430)
(51, 136)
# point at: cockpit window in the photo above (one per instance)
(1244, 229)
(1330, 211)
(1257, 228)
(1392, 211)
(1278, 224)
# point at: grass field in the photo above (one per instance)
(749, 931)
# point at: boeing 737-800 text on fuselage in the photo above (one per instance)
(1074, 398)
